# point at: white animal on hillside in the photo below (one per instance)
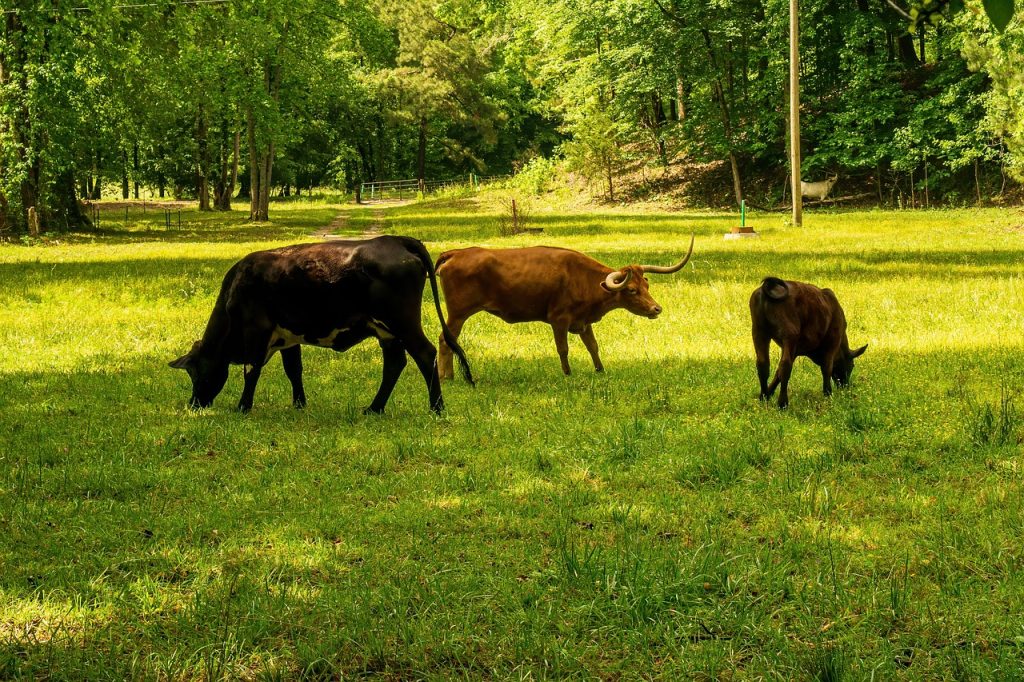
(817, 190)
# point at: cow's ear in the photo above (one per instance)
(187, 360)
(181, 363)
(859, 352)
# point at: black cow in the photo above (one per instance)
(332, 294)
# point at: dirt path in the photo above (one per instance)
(376, 227)
(327, 231)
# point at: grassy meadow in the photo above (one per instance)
(652, 522)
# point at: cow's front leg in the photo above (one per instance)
(291, 358)
(394, 363)
(255, 352)
(562, 345)
(826, 375)
(252, 376)
(587, 335)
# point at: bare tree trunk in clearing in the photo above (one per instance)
(124, 174)
(421, 152)
(135, 168)
(203, 170)
(225, 186)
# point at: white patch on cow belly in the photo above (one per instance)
(380, 329)
(328, 341)
(281, 334)
(282, 338)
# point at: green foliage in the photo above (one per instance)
(153, 97)
(537, 175)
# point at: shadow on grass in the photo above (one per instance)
(877, 266)
(200, 538)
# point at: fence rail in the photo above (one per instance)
(407, 189)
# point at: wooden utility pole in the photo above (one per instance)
(794, 111)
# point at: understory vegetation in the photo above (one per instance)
(654, 521)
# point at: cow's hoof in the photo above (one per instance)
(299, 403)
(244, 409)
(373, 410)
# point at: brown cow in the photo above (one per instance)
(803, 320)
(567, 289)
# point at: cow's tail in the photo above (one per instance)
(417, 248)
(774, 289)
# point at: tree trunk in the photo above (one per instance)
(611, 187)
(261, 166)
(135, 168)
(680, 96)
(66, 213)
(421, 152)
(244, 186)
(124, 175)
(96, 176)
(203, 170)
(908, 55)
(737, 182)
(977, 181)
(225, 186)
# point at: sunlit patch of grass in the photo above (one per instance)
(653, 518)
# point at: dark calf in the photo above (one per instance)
(803, 320)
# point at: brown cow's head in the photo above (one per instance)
(842, 366)
(208, 375)
(631, 286)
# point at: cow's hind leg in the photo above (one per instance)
(587, 335)
(394, 363)
(291, 358)
(445, 362)
(783, 373)
(762, 348)
(426, 358)
(561, 333)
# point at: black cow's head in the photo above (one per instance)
(842, 366)
(208, 375)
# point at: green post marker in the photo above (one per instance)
(743, 212)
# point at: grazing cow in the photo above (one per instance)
(803, 320)
(817, 190)
(567, 289)
(333, 295)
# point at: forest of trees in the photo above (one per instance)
(223, 101)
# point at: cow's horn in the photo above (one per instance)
(612, 281)
(668, 270)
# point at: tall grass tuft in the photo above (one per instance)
(991, 424)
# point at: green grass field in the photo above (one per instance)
(654, 521)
